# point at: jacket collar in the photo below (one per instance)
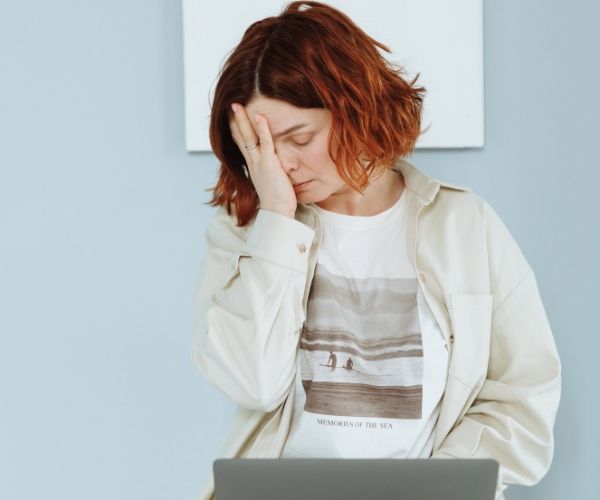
(422, 183)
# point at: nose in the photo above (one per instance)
(289, 159)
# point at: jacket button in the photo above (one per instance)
(421, 277)
(302, 247)
(452, 338)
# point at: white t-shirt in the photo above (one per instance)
(373, 361)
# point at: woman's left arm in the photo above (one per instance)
(512, 418)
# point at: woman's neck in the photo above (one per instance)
(382, 192)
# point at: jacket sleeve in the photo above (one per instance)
(512, 418)
(248, 308)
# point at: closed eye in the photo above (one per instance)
(301, 143)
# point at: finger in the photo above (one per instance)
(235, 133)
(247, 134)
(264, 133)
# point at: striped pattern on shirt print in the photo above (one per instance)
(361, 350)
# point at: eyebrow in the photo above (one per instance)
(290, 130)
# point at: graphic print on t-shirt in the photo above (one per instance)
(361, 351)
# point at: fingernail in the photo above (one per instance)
(256, 118)
(234, 107)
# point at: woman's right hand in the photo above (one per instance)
(272, 184)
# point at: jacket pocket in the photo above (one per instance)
(471, 322)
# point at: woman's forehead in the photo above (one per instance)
(282, 115)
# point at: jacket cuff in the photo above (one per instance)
(279, 239)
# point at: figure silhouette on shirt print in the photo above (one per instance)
(351, 319)
(333, 359)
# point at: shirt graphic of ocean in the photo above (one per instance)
(361, 352)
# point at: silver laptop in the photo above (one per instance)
(354, 478)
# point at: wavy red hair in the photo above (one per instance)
(315, 58)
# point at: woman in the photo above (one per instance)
(350, 304)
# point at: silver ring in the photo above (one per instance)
(252, 146)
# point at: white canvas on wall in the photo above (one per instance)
(441, 40)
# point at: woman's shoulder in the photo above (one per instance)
(457, 200)
(470, 217)
(462, 201)
(462, 207)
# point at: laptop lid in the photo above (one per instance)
(354, 478)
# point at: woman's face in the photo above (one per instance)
(300, 137)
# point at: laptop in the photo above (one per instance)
(354, 478)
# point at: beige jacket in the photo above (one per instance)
(503, 385)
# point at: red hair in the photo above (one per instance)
(315, 58)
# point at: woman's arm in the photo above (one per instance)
(248, 307)
(512, 418)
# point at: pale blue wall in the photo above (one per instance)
(102, 223)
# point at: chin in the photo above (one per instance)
(307, 197)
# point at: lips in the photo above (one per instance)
(300, 186)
